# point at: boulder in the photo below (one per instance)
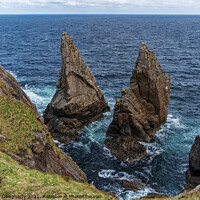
(193, 172)
(78, 100)
(134, 184)
(141, 110)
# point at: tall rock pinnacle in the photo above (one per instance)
(78, 100)
(141, 110)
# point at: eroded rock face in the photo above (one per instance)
(141, 110)
(78, 100)
(42, 153)
(45, 156)
(193, 173)
(10, 87)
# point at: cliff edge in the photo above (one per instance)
(25, 138)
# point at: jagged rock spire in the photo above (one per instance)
(78, 100)
(141, 109)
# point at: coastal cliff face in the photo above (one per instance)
(141, 110)
(193, 172)
(25, 138)
(78, 100)
(10, 87)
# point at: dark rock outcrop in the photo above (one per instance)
(35, 149)
(45, 156)
(141, 110)
(10, 87)
(78, 100)
(193, 173)
(134, 184)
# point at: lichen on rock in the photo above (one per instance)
(78, 100)
(141, 110)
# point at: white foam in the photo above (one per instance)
(106, 173)
(37, 99)
(12, 73)
(141, 193)
(107, 152)
(174, 121)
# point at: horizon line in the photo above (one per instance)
(96, 14)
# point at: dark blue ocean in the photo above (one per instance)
(30, 50)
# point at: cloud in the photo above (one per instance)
(153, 3)
(131, 5)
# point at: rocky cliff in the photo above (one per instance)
(78, 100)
(10, 87)
(141, 110)
(193, 173)
(24, 137)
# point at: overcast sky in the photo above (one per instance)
(99, 6)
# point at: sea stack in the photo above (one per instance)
(78, 101)
(141, 110)
(193, 173)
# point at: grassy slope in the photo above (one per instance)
(17, 120)
(18, 180)
(184, 196)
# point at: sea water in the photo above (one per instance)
(30, 50)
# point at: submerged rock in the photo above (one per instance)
(10, 87)
(141, 110)
(25, 138)
(193, 172)
(78, 100)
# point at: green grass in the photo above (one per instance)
(17, 121)
(186, 195)
(2, 84)
(18, 180)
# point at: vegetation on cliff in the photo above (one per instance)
(20, 180)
